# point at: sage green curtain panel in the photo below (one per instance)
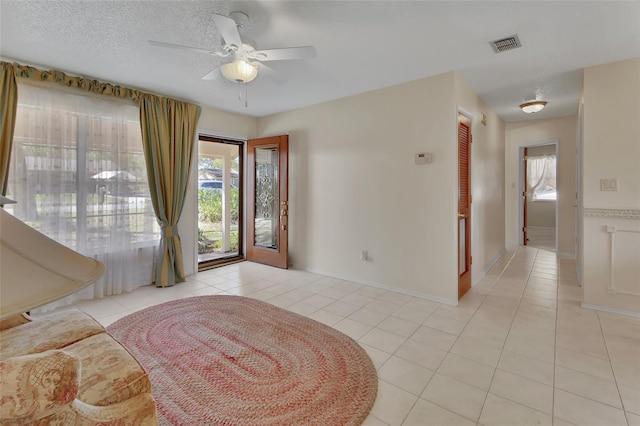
(168, 135)
(8, 106)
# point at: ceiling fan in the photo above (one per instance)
(245, 59)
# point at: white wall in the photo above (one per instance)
(532, 132)
(611, 149)
(212, 122)
(354, 185)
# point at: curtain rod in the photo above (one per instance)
(77, 82)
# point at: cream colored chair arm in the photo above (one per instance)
(139, 410)
(14, 321)
(34, 386)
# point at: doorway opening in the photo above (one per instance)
(538, 205)
(220, 195)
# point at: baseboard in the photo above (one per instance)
(568, 256)
(487, 268)
(452, 302)
(611, 310)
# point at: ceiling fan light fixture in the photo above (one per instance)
(533, 106)
(239, 71)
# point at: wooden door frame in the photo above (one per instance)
(521, 185)
(469, 241)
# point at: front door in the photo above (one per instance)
(268, 202)
(464, 205)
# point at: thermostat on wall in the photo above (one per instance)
(423, 157)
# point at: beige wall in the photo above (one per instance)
(542, 150)
(541, 214)
(212, 122)
(354, 186)
(223, 124)
(611, 146)
(611, 149)
(487, 180)
(535, 132)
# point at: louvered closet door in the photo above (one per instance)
(464, 209)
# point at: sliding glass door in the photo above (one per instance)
(219, 201)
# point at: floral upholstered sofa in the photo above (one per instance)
(65, 369)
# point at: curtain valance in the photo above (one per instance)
(87, 84)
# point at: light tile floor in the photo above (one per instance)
(542, 238)
(518, 348)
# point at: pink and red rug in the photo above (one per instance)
(230, 360)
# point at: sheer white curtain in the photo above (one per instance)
(77, 171)
(541, 176)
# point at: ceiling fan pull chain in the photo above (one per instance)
(246, 101)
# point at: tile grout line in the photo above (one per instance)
(589, 374)
(555, 349)
(505, 342)
(624, 411)
(554, 364)
(435, 371)
(482, 298)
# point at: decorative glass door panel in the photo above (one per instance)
(268, 208)
(266, 205)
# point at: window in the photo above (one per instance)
(78, 174)
(541, 177)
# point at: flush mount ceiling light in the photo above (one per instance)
(533, 106)
(239, 71)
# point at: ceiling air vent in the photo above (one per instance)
(507, 43)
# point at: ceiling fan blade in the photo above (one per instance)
(288, 53)
(270, 73)
(182, 47)
(229, 30)
(213, 74)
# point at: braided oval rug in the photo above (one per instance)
(231, 360)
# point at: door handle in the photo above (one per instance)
(461, 215)
(283, 218)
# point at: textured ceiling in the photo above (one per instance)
(361, 46)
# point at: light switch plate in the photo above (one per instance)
(423, 158)
(609, 184)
